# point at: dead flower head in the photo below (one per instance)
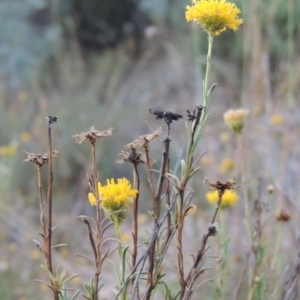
(212, 229)
(221, 187)
(39, 159)
(195, 113)
(168, 116)
(283, 216)
(143, 140)
(133, 157)
(51, 120)
(93, 135)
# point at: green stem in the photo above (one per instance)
(121, 254)
(243, 176)
(118, 233)
(291, 54)
(224, 256)
(208, 68)
(206, 98)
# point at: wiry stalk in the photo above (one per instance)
(98, 223)
(48, 242)
(136, 180)
(50, 182)
(156, 211)
(42, 205)
(186, 290)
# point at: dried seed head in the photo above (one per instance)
(39, 159)
(132, 157)
(195, 113)
(168, 116)
(51, 120)
(212, 229)
(144, 140)
(271, 188)
(221, 187)
(283, 216)
(93, 135)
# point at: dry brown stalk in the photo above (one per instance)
(40, 160)
(187, 283)
(96, 234)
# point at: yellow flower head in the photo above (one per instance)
(229, 198)
(22, 96)
(214, 15)
(226, 165)
(235, 119)
(114, 197)
(8, 150)
(25, 136)
(276, 119)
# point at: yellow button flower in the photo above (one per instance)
(214, 15)
(25, 136)
(114, 197)
(8, 150)
(226, 165)
(276, 119)
(229, 198)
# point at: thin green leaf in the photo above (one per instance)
(70, 278)
(193, 172)
(210, 91)
(115, 270)
(50, 275)
(75, 295)
(182, 166)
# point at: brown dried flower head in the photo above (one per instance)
(39, 159)
(143, 140)
(221, 187)
(212, 229)
(132, 157)
(167, 116)
(93, 135)
(283, 216)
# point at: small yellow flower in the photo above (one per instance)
(229, 198)
(77, 280)
(25, 136)
(64, 252)
(114, 197)
(235, 119)
(36, 254)
(43, 287)
(12, 246)
(276, 119)
(206, 161)
(214, 15)
(8, 150)
(125, 237)
(224, 137)
(226, 165)
(142, 218)
(22, 96)
(92, 197)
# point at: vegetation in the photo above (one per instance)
(170, 223)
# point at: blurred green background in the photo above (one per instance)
(105, 63)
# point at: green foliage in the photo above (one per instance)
(25, 46)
